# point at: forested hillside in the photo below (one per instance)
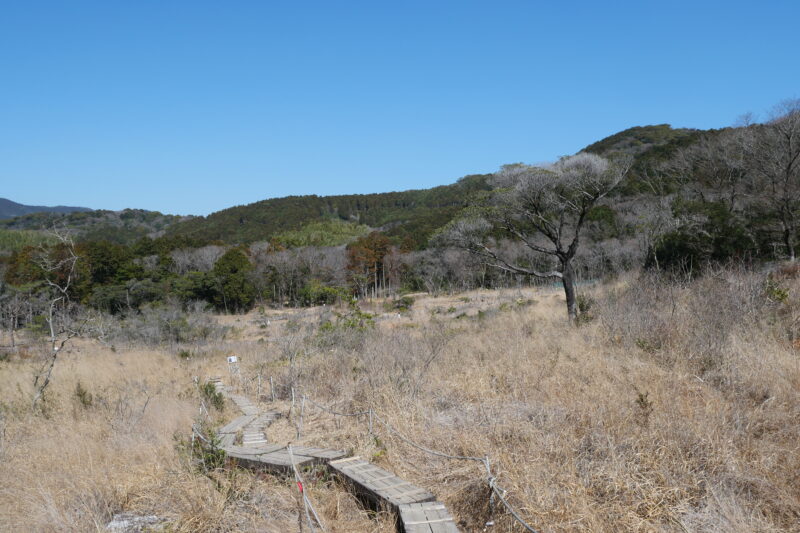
(411, 215)
(649, 146)
(405, 216)
(681, 199)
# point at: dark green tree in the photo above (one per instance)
(233, 288)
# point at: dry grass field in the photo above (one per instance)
(676, 408)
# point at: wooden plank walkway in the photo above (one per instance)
(273, 458)
(378, 485)
(428, 517)
(417, 509)
(237, 424)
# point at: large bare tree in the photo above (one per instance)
(544, 208)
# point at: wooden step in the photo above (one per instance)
(268, 417)
(377, 485)
(254, 442)
(428, 517)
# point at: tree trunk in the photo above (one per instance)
(568, 280)
(13, 329)
(788, 241)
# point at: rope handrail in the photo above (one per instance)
(484, 460)
(423, 448)
(337, 413)
(500, 492)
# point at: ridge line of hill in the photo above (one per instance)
(408, 216)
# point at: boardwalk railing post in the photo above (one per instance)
(291, 409)
(302, 410)
(490, 479)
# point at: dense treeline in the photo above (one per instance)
(119, 279)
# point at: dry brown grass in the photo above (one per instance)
(73, 464)
(676, 409)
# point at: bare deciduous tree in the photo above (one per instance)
(774, 163)
(12, 309)
(195, 259)
(58, 265)
(713, 169)
(545, 209)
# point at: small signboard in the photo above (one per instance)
(233, 359)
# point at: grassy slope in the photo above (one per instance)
(12, 240)
(332, 232)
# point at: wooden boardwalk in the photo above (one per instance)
(245, 443)
(429, 517)
(378, 485)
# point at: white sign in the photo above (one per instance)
(232, 359)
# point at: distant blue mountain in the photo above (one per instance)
(9, 209)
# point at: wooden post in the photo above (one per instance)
(291, 409)
(272, 389)
(300, 424)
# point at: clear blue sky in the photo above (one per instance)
(191, 107)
